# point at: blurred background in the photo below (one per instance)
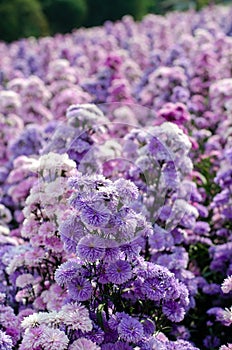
(25, 18)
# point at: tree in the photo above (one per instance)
(21, 18)
(64, 15)
(102, 10)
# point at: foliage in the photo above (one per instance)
(161, 7)
(64, 15)
(21, 18)
(102, 10)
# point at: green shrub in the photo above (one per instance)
(21, 18)
(64, 15)
(102, 10)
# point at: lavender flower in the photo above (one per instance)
(80, 289)
(91, 248)
(127, 190)
(45, 337)
(95, 216)
(103, 211)
(67, 271)
(130, 329)
(83, 344)
(119, 345)
(76, 317)
(119, 272)
(5, 341)
(173, 311)
(31, 339)
(54, 339)
(71, 231)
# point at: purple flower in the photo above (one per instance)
(95, 215)
(218, 312)
(119, 272)
(202, 228)
(5, 341)
(83, 344)
(31, 339)
(153, 343)
(158, 150)
(170, 175)
(119, 345)
(180, 345)
(112, 251)
(127, 190)
(176, 260)
(176, 113)
(130, 329)
(29, 142)
(115, 319)
(53, 339)
(131, 250)
(124, 223)
(155, 288)
(148, 326)
(160, 239)
(71, 230)
(67, 271)
(76, 317)
(211, 342)
(173, 311)
(159, 283)
(211, 289)
(91, 248)
(80, 289)
(175, 308)
(96, 335)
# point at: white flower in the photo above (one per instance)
(227, 316)
(33, 320)
(14, 264)
(226, 347)
(9, 99)
(227, 285)
(5, 214)
(53, 164)
(24, 280)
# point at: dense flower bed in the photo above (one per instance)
(116, 186)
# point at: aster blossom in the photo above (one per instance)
(83, 344)
(146, 234)
(103, 210)
(45, 337)
(80, 289)
(91, 248)
(227, 316)
(53, 339)
(76, 316)
(227, 285)
(130, 329)
(226, 347)
(5, 341)
(119, 271)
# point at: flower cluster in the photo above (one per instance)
(115, 186)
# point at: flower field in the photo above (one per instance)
(116, 186)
